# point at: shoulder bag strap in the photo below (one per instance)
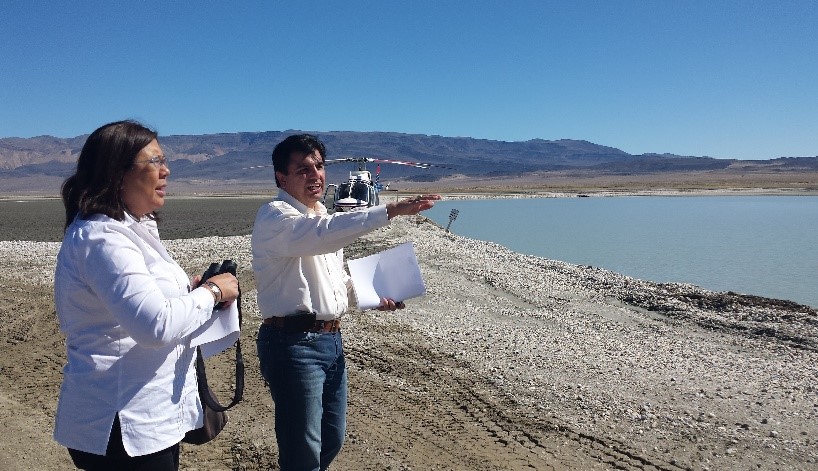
(205, 393)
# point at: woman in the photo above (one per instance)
(129, 390)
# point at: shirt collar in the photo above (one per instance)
(146, 222)
(320, 210)
(130, 219)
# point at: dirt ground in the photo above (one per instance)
(411, 406)
(484, 372)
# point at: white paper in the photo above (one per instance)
(393, 273)
(219, 333)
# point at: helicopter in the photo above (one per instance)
(361, 190)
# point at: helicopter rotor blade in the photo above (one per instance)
(326, 162)
(257, 166)
(348, 159)
(407, 163)
(410, 163)
(387, 161)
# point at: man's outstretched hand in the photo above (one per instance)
(411, 206)
(389, 304)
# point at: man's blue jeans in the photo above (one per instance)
(307, 377)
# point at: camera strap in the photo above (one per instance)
(205, 393)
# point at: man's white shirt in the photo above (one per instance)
(298, 257)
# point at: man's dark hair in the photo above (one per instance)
(107, 155)
(299, 144)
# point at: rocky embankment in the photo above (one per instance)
(508, 362)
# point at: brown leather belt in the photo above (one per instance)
(298, 324)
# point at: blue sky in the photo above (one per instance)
(726, 79)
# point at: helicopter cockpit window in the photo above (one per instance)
(360, 191)
(344, 191)
(355, 190)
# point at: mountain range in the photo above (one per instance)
(242, 157)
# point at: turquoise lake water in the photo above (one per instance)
(761, 245)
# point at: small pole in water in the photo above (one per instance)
(452, 217)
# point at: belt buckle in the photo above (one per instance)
(325, 326)
(305, 321)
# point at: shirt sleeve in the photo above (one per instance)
(116, 271)
(283, 231)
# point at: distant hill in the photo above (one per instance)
(231, 156)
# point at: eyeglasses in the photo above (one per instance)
(158, 161)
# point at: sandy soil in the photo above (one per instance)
(509, 362)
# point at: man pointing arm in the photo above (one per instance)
(302, 294)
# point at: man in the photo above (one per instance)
(303, 289)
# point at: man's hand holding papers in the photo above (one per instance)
(384, 277)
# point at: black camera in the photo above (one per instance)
(227, 266)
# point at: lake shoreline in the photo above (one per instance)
(227, 215)
(763, 245)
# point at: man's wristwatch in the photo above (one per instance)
(214, 290)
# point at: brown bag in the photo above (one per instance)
(215, 414)
(214, 422)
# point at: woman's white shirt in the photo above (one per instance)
(126, 310)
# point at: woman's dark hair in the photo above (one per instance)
(108, 154)
(303, 144)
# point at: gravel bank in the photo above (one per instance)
(508, 362)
